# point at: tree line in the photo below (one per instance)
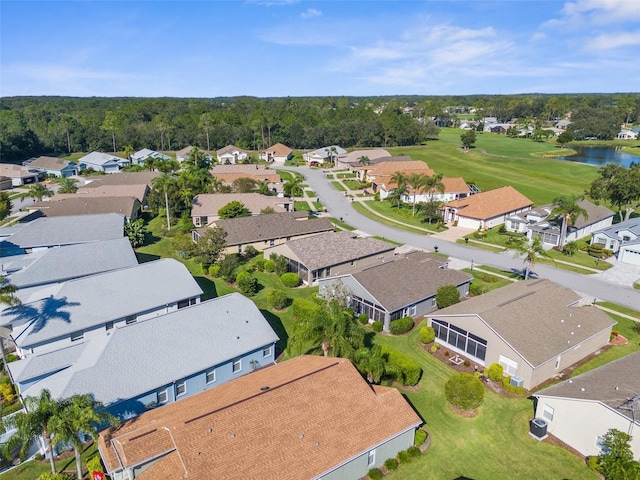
(32, 126)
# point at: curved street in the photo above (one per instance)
(339, 206)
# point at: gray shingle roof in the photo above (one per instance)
(612, 384)
(595, 213)
(334, 248)
(67, 230)
(91, 301)
(538, 318)
(632, 225)
(208, 204)
(71, 261)
(408, 279)
(50, 163)
(100, 158)
(271, 226)
(123, 178)
(45, 363)
(140, 357)
(88, 205)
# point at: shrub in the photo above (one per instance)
(447, 295)
(447, 353)
(269, 266)
(467, 363)
(464, 391)
(404, 456)
(250, 251)
(94, 464)
(228, 266)
(374, 474)
(419, 438)
(259, 263)
(247, 284)
(6, 393)
(596, 250)
(506, 384)
(377, 326)
(434, 348)
(427, 334)
(214, 270)
(615, 333)
(290, 280)
(391, 464)
(593, 463)
(414, 451)
(304, 308)
(477, 289)
(502, 229)
(400, 326)
(408, 370)
(363, 318)
(277, 299)
(495, 372)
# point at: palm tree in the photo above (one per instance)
(37, 191)
(568, 209)
(434, 184)
(417, 182)
(164, 182)
(7, 297)
(293, 187)
(400, 179)
(370, 362)
(33, 423)
(364, 161)
(128, 151)
(79, 414)
(67, 185)
(531, 253)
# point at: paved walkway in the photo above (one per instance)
(620, 314)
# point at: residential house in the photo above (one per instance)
(103, 162)
(309, 417)
(205, 206)
(598, 217)
(5, 183)
(139, 192)
(581, 410)
(330, 254)
(487, 209)
(623, 239)
(352, 159)
(183, 154)
(141, 156)
(398, 286)
(44, 233)
(263, 231)
(55, 166)
(229, 173)
(381, 173)
(535, 329)
(277, 153)
(76, 310)
(627, 134)
(20, 175)
(520, 222)
(454, 189)
(80, 204)
(135, 367)
(563, 124)
(231, 154)
(324, 154)
(122, 178)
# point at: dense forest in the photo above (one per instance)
(31, 126)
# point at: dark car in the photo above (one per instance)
(313, 164)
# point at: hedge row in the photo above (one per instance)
(409, 371)
(400, 326)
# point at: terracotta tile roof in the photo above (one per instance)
(279, 150)
(229, 173)
(490, 204)
(455, 185)
(298, 419)
(272, 226)
(208, 204)
(407, 167)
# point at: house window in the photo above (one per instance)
(371, 458)
(211, 375)
(266, 352)
(558, 361)
(547, 412)
(183, 303)
(192, 301)
(108, 326)
(163, 396)
(130, 319)
(433, 302)
(197, 221)
(600, 444)
(239, 248)
(237, 366)
(77, 335)
(510, 366)
(272, 242)
(181, 387)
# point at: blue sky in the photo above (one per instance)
(318, 48)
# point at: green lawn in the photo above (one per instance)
(310, 193)
(513, 275)
(338, 186)
(346, 175)
(32, 470)
(402, 214)
(353, 184)
(621, 309)
(365, 211)
(508, 161)
(493, 445)
(392, 242)
(485, 282)
(339, 223)
(301, 206)
(287, 175)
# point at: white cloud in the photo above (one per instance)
(310, 13)
(603, 12)
(536, 37)
(613, 40)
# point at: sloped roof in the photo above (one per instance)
(16, 171)
(632, 225)
(66, 230)
(184, 152)
(93, 300)
(298, 419)
(208, 204)
(324, 152)
(538, 318)
(122, 178)
(100, 158)
(87, 205)
(50, 163)
(137, 191)
(407, 279)
(613, 384)
(372, 154)
(107, 368)
(230, 149)
(407, 167)
(491, 203)
(271, 226)
(229, 173)
(334, 248)
(455, 185)
(70, 261)
(279, 150)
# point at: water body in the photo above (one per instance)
(600, 156)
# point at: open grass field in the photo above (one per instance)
(507, 161)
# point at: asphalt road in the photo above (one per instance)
(339, 206)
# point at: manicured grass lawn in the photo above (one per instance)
(518, 164)
(514, 275)
(403, 214)
(485, 282)
(341, 224)
(346, 175)
(392, 242)
(301, 206)
(318, 206)
(338, 186)
(353, 184)
(310, 193)
(621, 309)
(286, 175)
(493, 445)
(364, 211)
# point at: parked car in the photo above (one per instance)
(313, 163)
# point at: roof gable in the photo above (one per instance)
(490, 204)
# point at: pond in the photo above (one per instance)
(600, 156)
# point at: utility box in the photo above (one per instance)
(538, 428)
(517, 381)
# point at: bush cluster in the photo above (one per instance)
(377, 326)
(596, 250)
(363, 318)
(391, 464)
(408, 370)
(247, 284)
(495, 372)
(290, 280)
(427, 334)
(464, 391)
(277, 299)
(400, 326)
(304, 308)
(374, 474)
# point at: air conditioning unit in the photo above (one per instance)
(517, 381)
(538, 428)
